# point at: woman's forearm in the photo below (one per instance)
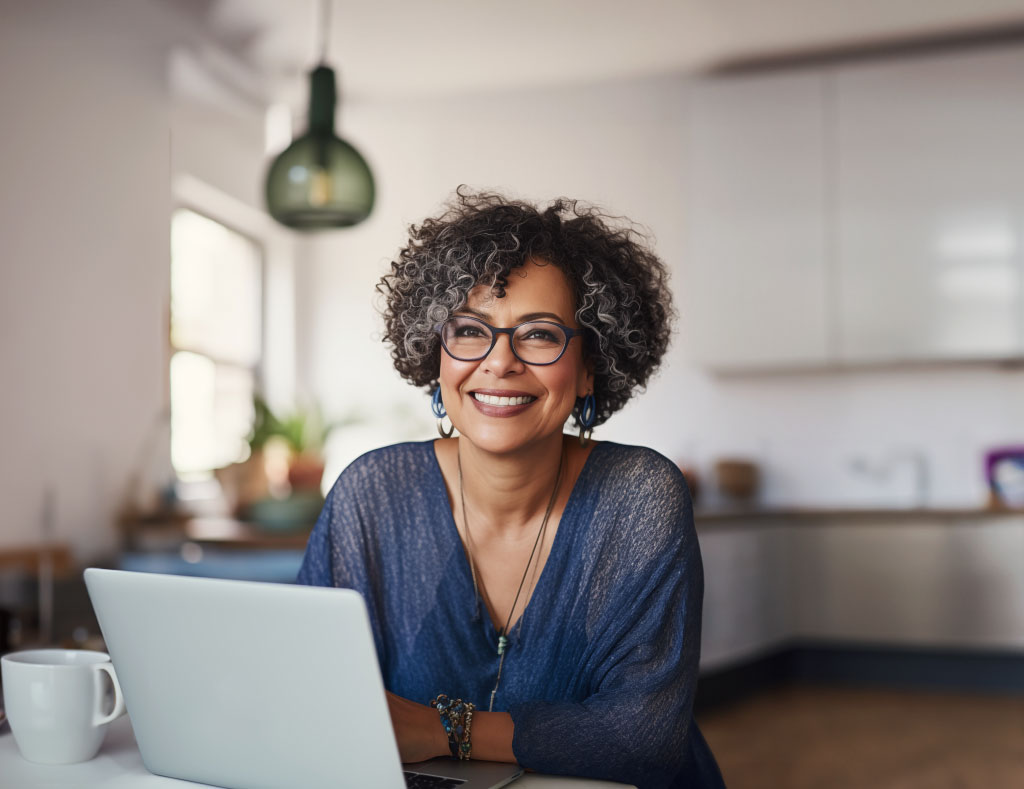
(420, 734)
(491, 736)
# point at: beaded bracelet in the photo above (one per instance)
(457, 719)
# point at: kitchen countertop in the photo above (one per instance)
(810, 514)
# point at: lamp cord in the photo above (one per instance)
(325, 28)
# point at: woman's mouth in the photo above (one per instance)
(501, 405)
(502, 400)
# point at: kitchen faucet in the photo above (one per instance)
(883, 470)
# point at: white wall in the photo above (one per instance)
(83, 222)
(85, 203)
(620, 145)
(806, 429)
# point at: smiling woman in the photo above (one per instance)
(618, 289)
(535, 597)
(532, 361)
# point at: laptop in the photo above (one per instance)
(250, 685)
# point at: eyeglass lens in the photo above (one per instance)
(537, 342)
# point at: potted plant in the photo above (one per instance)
(291, 452)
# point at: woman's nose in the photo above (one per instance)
(501, 361)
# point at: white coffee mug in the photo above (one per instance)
(54, 700)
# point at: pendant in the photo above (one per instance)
(502, 643)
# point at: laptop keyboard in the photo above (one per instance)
(424, 781)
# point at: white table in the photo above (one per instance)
(119, 766)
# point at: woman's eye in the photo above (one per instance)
(468, 331)
(544, 335)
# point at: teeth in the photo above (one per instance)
(493, 400)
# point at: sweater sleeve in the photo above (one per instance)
(634, 724)
(316, 561)
(341, 550)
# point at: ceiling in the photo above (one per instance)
(408, 48)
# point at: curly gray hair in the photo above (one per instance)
(619, 285)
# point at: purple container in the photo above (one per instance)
(993, 456)
(1004, 472)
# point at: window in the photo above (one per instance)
(216, 342)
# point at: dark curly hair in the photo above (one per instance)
(619, 286)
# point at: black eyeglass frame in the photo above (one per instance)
(495, 331)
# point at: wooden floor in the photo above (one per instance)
(841, 738)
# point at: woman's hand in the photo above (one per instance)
(417, 728)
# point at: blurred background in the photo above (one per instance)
(838, 189)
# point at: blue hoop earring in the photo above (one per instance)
(437, 407)
(587, 416)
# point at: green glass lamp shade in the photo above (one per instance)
(320, 181)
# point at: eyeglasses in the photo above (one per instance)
(534, 342)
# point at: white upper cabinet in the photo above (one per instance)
(754, 287)
(929, 157)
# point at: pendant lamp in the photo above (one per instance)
(320, 181)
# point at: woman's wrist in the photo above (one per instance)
(490, 734)
(457, 721)
(438, 736)
(492, 737)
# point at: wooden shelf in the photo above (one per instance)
(28, 559)
(241, 534)
(212, 531)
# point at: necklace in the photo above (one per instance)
(503, 633)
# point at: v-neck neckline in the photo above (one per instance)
(466, 572)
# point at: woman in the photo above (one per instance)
(535, 597)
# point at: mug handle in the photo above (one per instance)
(99, 719)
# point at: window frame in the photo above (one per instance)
(257, 368)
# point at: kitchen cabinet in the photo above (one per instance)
(929, 206)
(920, 583)
(858, 212)
(747, 607)
(754, 289)
(916, 579)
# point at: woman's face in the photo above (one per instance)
(534, 292)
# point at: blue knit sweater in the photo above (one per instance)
(601, 668)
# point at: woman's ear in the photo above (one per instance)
(585, 384)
